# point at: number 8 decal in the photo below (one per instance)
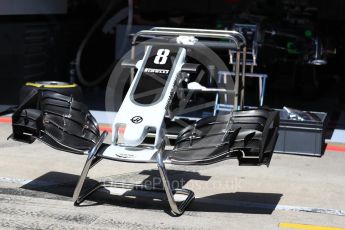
(162, 56)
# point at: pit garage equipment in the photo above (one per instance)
(246, 135)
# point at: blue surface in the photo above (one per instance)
(339, 131)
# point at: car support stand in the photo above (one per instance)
(94, 157)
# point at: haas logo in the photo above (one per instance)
(137, 119)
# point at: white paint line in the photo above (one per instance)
(328, 211)
(24, 182)
(14, 181)
(266, 206)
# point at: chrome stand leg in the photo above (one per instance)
(77, 199)
(91, 161)
(175, 208)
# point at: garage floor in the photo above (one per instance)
(37, 182)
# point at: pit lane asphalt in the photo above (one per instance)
(37, 182)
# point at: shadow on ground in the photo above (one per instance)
(62, 186)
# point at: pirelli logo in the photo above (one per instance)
(150, 70)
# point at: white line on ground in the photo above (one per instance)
(273, 207)
(24, 182)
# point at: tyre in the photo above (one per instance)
(67, 89)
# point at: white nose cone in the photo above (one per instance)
(134, 135)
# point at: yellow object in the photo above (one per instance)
(50, 86)
(307, 227)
